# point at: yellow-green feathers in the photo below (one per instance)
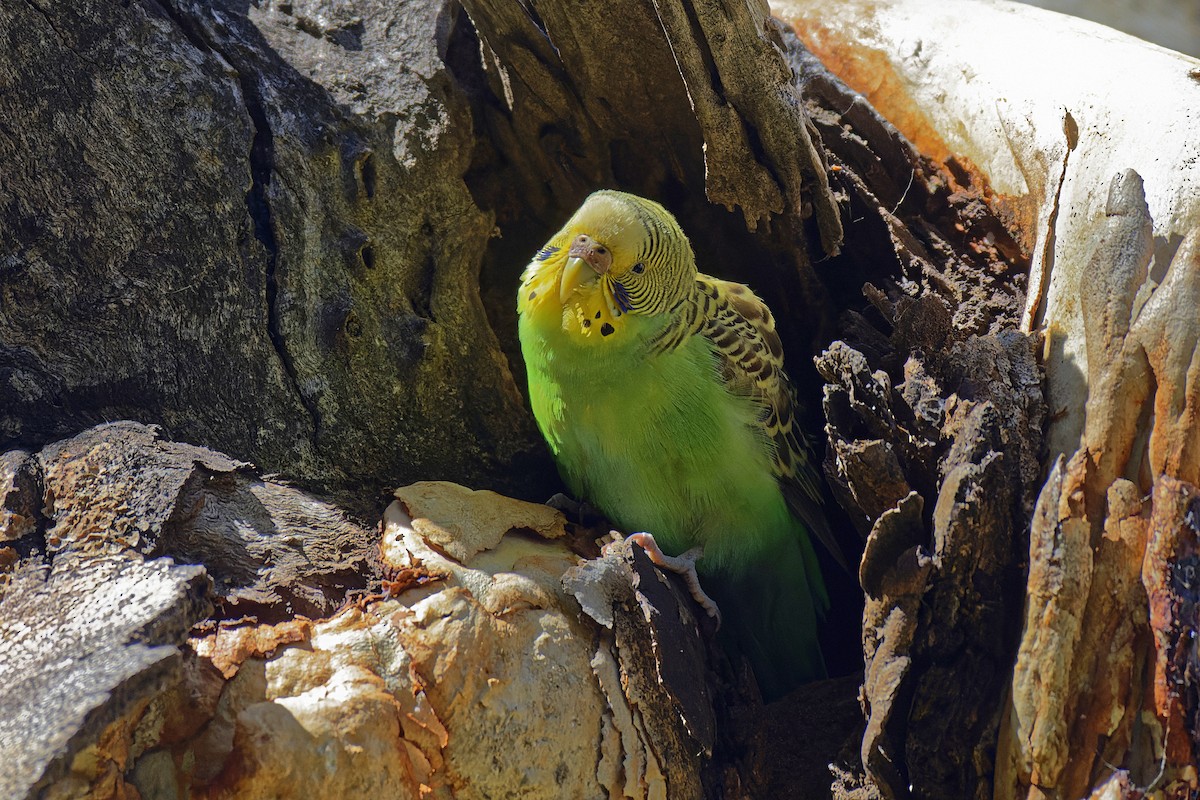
(662, 394)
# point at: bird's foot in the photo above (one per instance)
(683, 564)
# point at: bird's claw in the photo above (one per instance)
(683, 564)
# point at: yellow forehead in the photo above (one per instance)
(613, 221)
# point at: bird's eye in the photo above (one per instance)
(639, 268)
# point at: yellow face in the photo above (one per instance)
(618, 255)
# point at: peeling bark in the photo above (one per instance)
(392, 693)
(1101, 681)
(934, 413)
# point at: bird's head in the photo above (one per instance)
(619, 256)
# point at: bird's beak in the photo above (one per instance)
(576, 273)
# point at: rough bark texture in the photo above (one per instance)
(247, 223)
(1105, 692)
(583, 674)
(93, 608)
(314, 271)
(82, 645)
(934, 412)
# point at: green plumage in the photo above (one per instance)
(665, 405)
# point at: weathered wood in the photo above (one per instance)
(1101, 679)
(342, 178)
(934, 413)
(248, 224)
(92, 616)
(758, 141)
(79, 647)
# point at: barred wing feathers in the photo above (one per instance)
(750, 362)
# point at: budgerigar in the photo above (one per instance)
(662, 395)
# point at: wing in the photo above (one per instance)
(750, 360)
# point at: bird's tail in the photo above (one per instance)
(770, 614)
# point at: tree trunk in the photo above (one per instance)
(292, 231)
